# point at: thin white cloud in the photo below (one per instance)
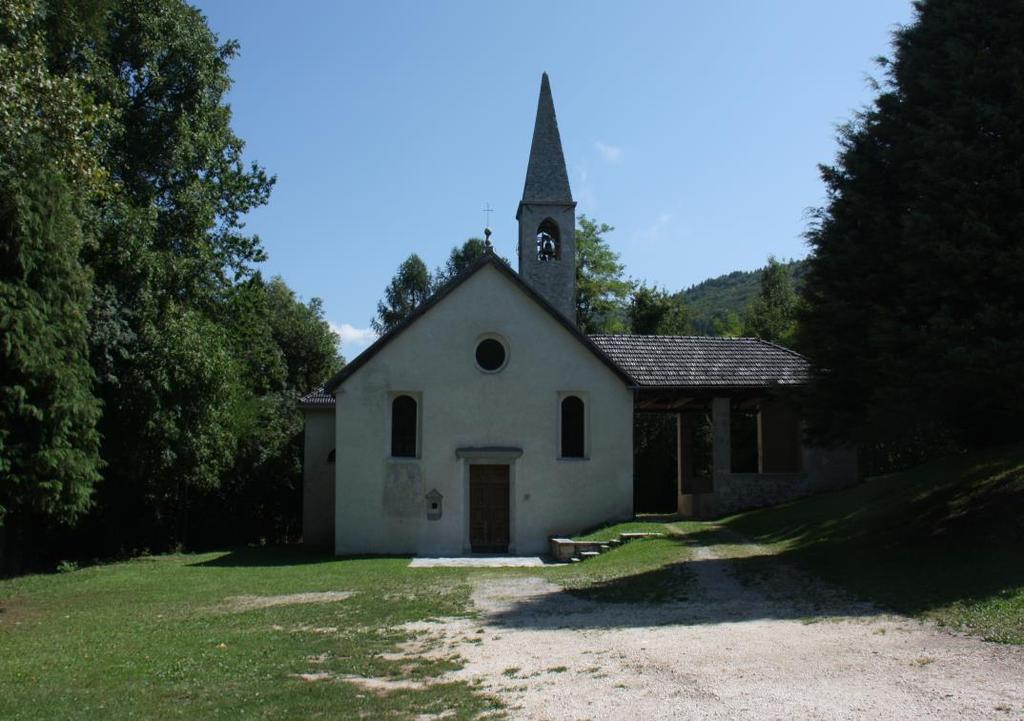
(353, 340)
(656, 230)
(611, 153)
(583, 192)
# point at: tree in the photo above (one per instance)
(169, 247)
(49, 446)
(601, 291)
(727, 324)
(305, 340)
(653, 311)
(771, 315)
(49, 172)
(260, 496)
(460, 259)
(914, 315)
(409, 288)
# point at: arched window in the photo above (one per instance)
(403, 427)
(572, 427)
(549, 241)
(330, 456)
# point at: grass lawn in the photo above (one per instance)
(155, 638)
(943, 541)
(158, 638)
(641, 571)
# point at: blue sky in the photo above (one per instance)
(694, 128)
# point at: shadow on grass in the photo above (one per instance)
(948, 533)
(291, 555)
(268, 557)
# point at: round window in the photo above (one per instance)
(490, 354)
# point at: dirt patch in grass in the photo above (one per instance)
(14, 611)
(240, 604)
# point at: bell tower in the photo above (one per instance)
(547, 214)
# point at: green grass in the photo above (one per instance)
(605, 533)
(650, 570)
(152, 638)
(944, 541)
(156, 638)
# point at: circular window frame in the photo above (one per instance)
(504, 346)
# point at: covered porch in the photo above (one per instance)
(733, 449)
(712, 414)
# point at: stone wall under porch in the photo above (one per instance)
(786, 468)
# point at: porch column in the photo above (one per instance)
(721, 445)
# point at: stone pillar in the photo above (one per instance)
(721, 451)
(681, 455)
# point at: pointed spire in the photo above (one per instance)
(546, 179)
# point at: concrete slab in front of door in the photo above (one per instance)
(481, 561)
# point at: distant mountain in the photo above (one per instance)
(715, 299)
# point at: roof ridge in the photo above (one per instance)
(798, 354)
(662, 335)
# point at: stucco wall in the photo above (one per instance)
(318, 478)
(380, 503)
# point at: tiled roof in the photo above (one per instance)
(699, 361)
(673, 361)
(318, 398)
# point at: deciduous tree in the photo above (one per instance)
(601, 290)
(653, 311)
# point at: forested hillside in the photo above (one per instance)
(712, 302)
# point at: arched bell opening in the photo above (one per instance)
(549, 241)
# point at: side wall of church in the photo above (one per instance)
(318, 478)
(380, 502)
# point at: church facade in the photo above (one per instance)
(487, 423)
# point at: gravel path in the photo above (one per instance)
(781, 648)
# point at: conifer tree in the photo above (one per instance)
(460, 259)
(49, 447)
(914, 312)
(771, 315)
(408, 289)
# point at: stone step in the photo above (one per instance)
(567, 550)
(639, 534)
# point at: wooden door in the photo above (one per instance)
(488, 508)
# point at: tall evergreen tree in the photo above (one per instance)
(49, 446)
(408, 289)
(771, 315)
(462, 257)
(914, 313)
